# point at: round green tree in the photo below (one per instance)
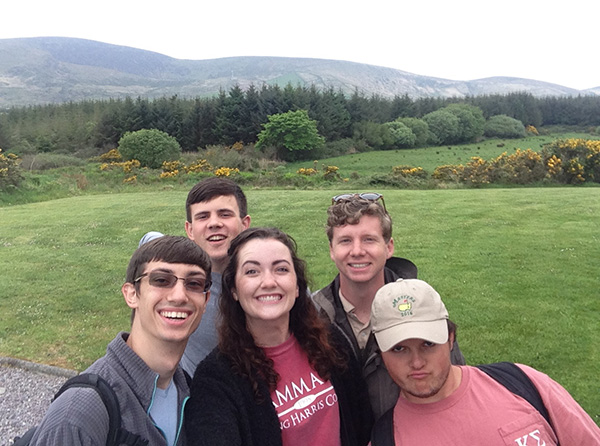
(293, 134)
(504, 126)
(402, 135)
(419, 128)
(470, 121)
(150, 147)
(443, 127)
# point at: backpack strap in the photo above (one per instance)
(516, 380)
(116, 435)
(383, 430)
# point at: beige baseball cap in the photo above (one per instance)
(408, 309)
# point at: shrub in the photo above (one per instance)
(503, 126)
(579, 159)
(402, 136)
(443, 127)
(522, 167)
(419, 128)
(470, 121)
(338, 147)
(409, 171)
(226, 171)
(237, 156)
(200, 165)
(10, 171)
(111, 155)
(293, 133)
(46, 161)
(477, 171)
(371, 135)
(309, 171)
(331, 173)
(127, 166)
(150, 147)
(453, 173)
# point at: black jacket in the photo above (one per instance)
(383, 391)
(223, 411)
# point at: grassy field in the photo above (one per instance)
(429, 158)
(518, 269)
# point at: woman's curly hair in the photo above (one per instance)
(310, 330)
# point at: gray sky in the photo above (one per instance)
(554, 42)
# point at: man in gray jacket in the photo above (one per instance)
(167, 287)
(359, 229)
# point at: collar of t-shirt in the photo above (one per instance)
(360, 329)
(164, 411)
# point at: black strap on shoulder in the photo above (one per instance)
(383, 430)
(116, 435)
(516, 380)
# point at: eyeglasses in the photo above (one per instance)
(370, 196)
(161, 279)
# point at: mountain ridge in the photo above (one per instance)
(41, 70)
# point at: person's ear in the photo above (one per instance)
(390, 248)
(246, 222)
(188, 230)
(235, 296)
(451, 340)
(130, 295)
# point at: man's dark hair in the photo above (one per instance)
(452, 329)
(211, 188)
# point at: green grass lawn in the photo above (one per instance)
(370, 163)
(517, 268)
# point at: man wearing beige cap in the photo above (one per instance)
(359, 230)
(445, 404)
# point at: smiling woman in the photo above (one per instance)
(279, 376)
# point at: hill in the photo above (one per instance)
(44, 70)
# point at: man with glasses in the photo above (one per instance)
(167, 287)
(359, 229)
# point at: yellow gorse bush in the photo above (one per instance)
(449, 172)
(111, 155)
(10, 170)
(306, 171)
(531, 129)
(169, 174)
(226, 171)
(127, 166)
(200, 165)
(409, 171)
(554, 166)
(171, 166)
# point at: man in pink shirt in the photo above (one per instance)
(445, 404)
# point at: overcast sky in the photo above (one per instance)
(554, 42)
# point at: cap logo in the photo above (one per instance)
(404, 305)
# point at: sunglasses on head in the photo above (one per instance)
(370, 196)
(159, 279)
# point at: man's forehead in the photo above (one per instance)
(367, 224)
(221, 202)
(159, 265)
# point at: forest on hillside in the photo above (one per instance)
(89, 128)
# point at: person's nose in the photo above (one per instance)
(416, 360)
(357, 249)
(268, 280)
(214, 221)
(178, 294)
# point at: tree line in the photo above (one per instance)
(90, 127)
